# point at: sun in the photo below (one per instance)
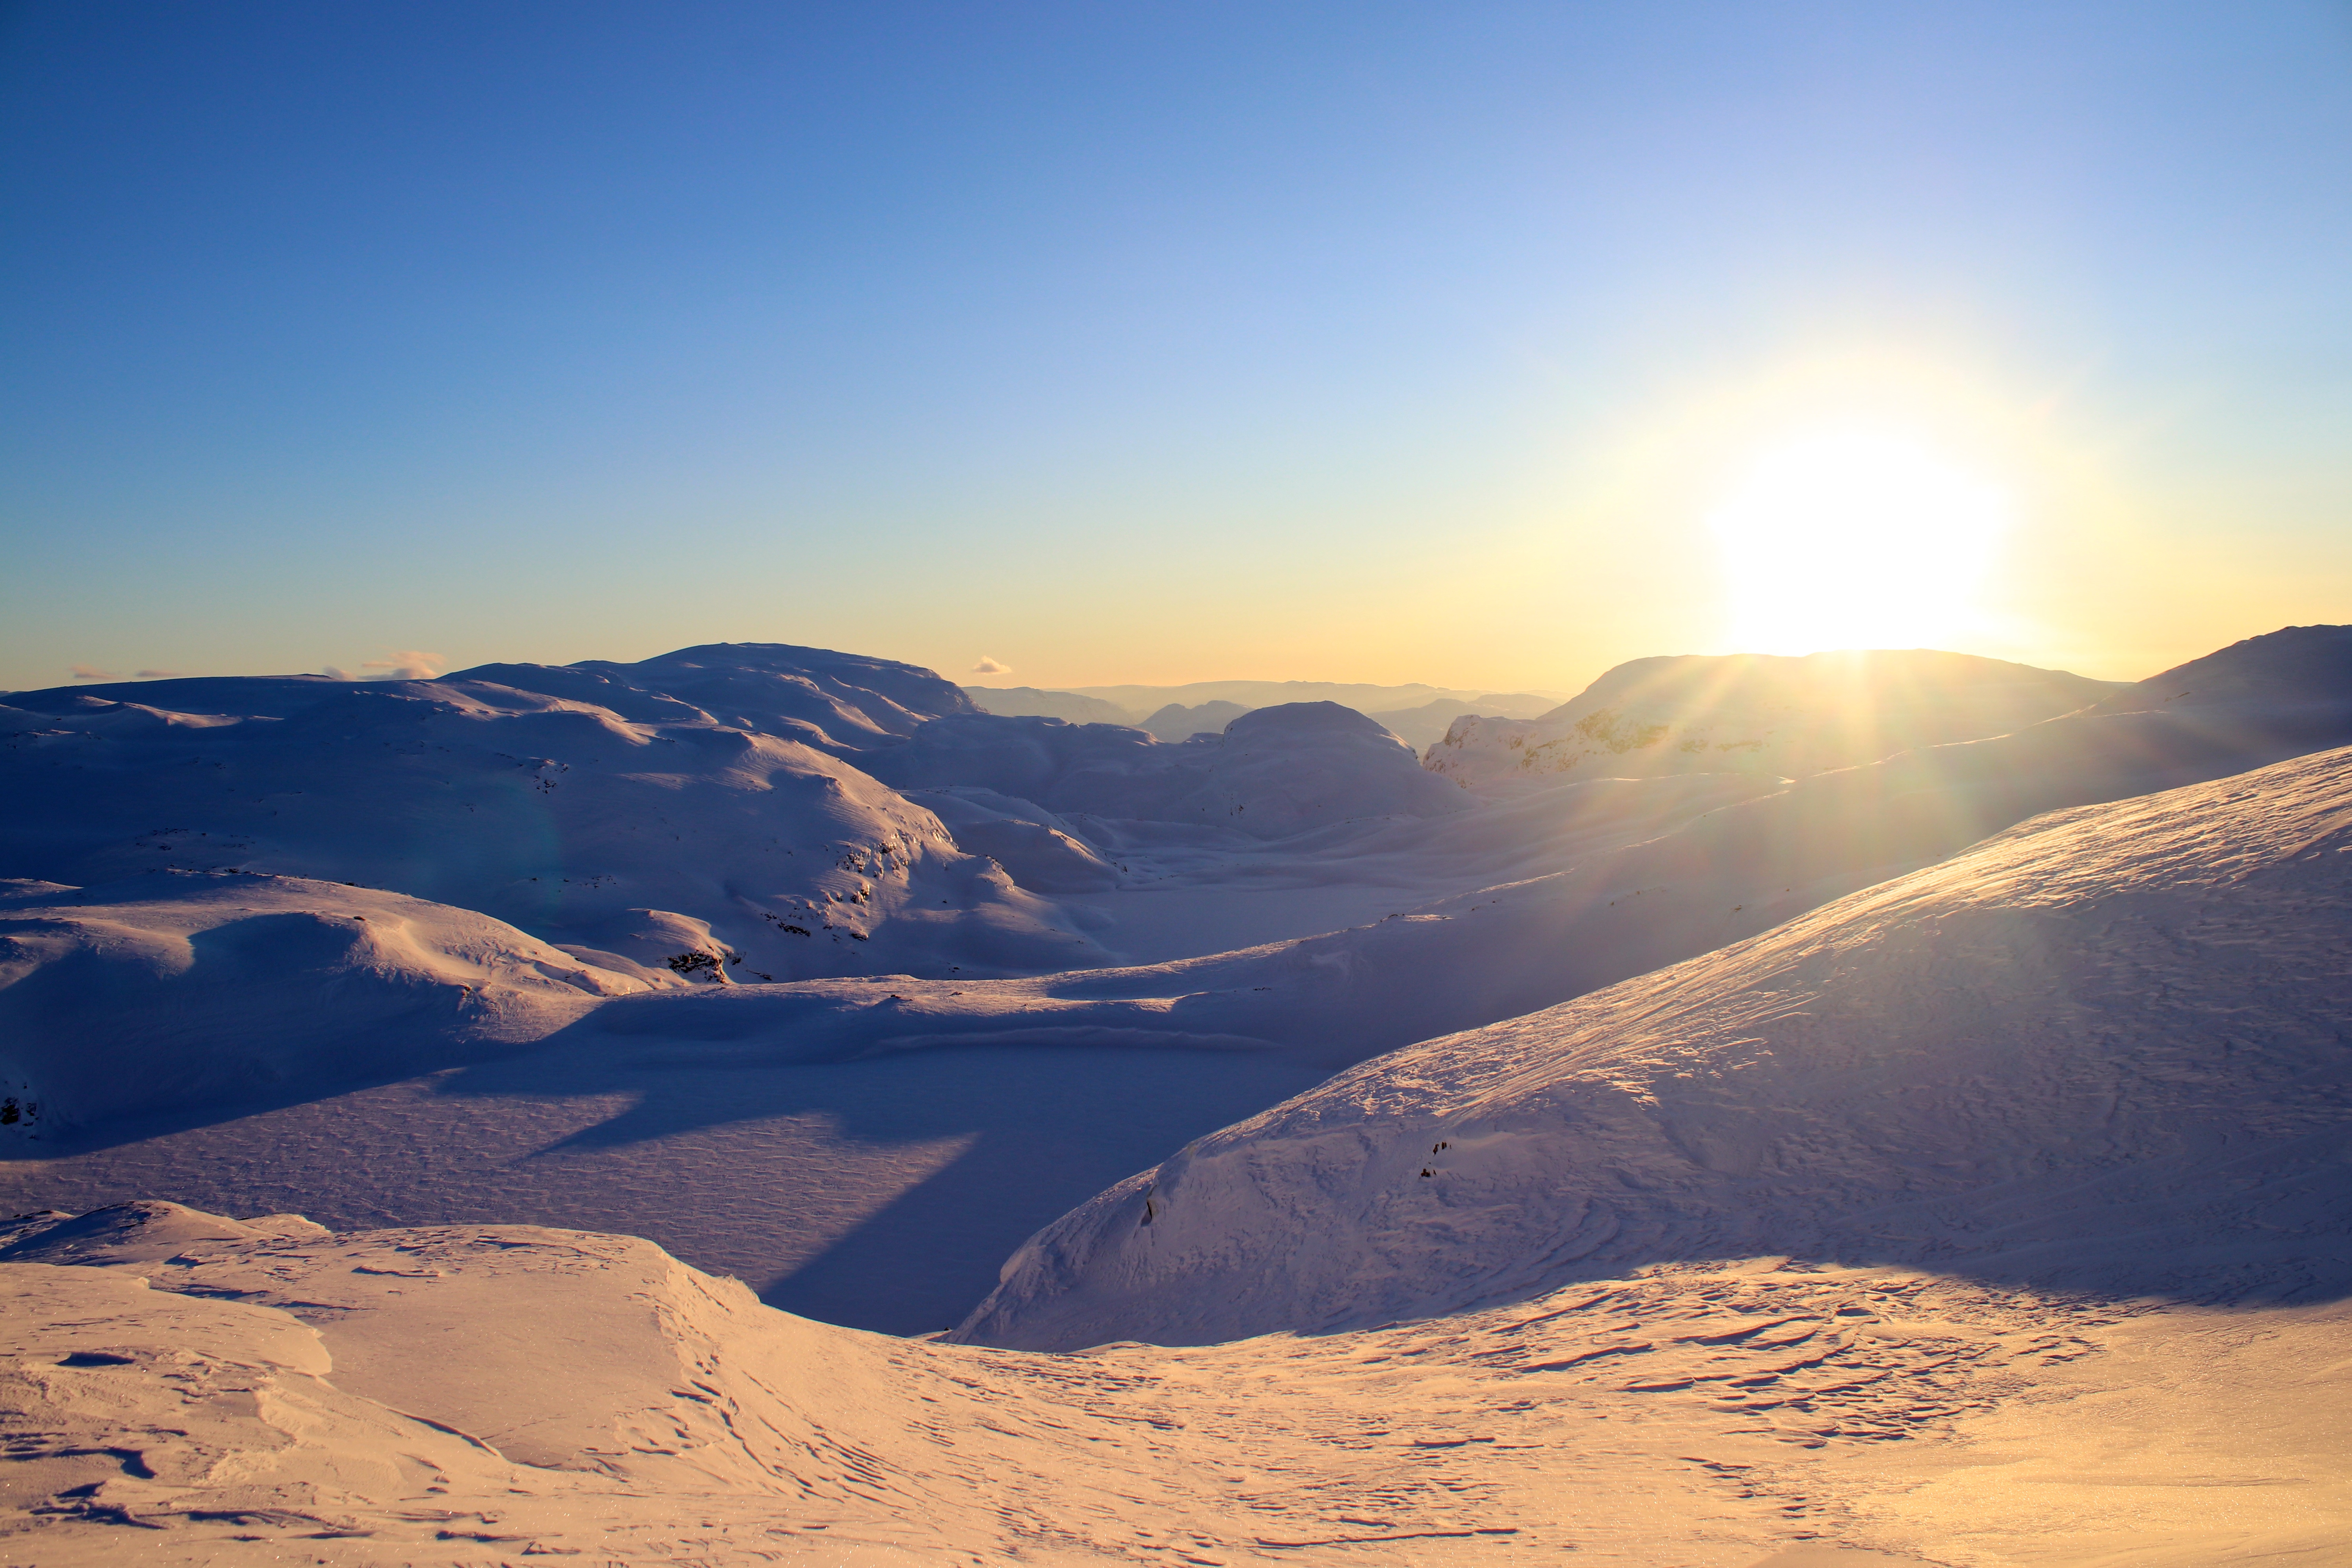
(1856, 538)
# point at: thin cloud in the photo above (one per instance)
(407, 664)
(161, 674)
(84, 672)
(988, 666)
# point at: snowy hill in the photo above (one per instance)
(180, 989)
(2105, 1045)
(1759, 713)
(838, 702)
(591, 806)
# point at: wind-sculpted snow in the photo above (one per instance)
(181, 1387)
(178, 988)
(1759, 713)
(2104, 1048)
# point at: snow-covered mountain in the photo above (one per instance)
(591, 806)
(1028, 701)
(2106, 1045)
(1272, 772)
(1175, 722)
(1759, 713)
(1421, 725)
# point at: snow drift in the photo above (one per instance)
(2104, 1048)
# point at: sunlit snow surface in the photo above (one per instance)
(1991, 1215)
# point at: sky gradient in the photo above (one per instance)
(1146, 342)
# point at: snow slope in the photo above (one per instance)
(1759, 713)
(2102, 1049)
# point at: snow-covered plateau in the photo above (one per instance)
(1870, 1108)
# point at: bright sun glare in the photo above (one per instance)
(1856, 539)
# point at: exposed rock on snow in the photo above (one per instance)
(2104, 1048)
(1759, 713)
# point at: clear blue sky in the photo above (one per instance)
(1143, 341)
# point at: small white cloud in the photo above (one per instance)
(333, 672)
(160, 674)
(988, 666)
(408, 664)
(84, 672)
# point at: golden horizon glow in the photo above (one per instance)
(1857, 537)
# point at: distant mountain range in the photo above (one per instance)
(1418, 714)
